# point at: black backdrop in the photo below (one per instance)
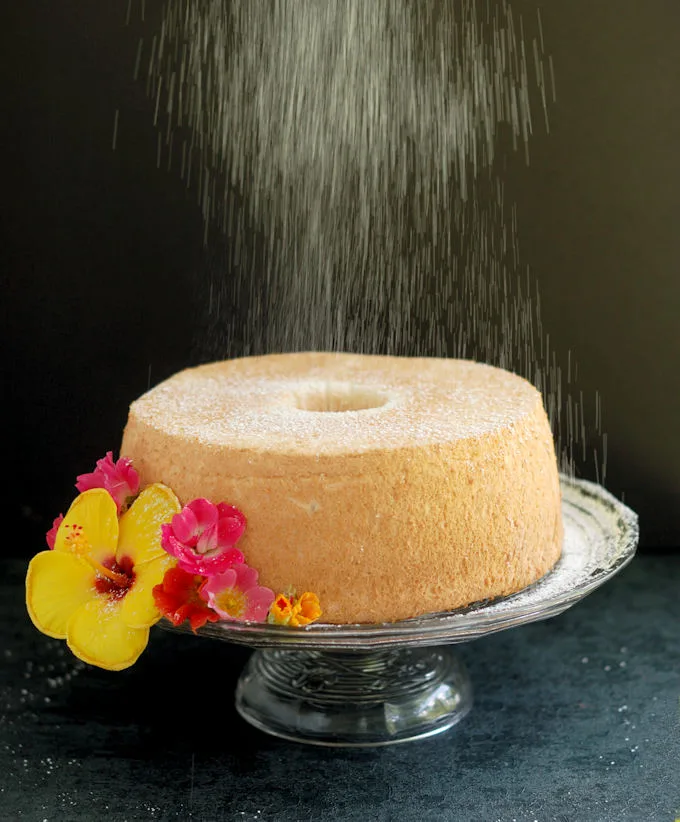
(100, 249)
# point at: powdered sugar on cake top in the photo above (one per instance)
(252, 403)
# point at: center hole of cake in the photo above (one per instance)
(338, 397)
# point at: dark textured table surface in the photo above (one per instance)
(577, 718)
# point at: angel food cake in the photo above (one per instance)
(391, 487)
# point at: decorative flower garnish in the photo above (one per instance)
(281, 610)
(202, 537)
(95, 588)
(306, 609)
(51, 535)
(287, 609)
(235, 595)
(178, 598)
(120, 559)
(119, 478)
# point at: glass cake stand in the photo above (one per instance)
(368, 685)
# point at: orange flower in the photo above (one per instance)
(306, 609)
(280, 610)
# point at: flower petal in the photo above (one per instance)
(139, 608)
(246, 577)
(259, 603)
(140, 527)
(184, 525)
(207, 541)
(232, 524)
(51, 535)
(205, 512)
(94, 515)
(200, 564)
(198, 616)
(99, 477)
(57, 584)
(97, 635)
(213, 585)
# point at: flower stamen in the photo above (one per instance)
(78, 542)
(122, 580)
(231, 601)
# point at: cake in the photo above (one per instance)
(392, 487)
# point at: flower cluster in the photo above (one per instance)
(288, 609)
(211, 580)
(120, 559)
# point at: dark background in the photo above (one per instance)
(101, 252)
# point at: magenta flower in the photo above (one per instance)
(202, 537)
(51, 535)
(235, 595)
(118, 478)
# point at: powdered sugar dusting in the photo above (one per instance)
(256, 402)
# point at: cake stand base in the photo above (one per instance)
(354, 698)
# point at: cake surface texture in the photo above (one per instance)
(391, 487)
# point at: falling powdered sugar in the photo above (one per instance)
(348, 161)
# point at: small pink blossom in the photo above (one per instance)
(202, 537)
(119, 478)
(51, 535)
(236, 596)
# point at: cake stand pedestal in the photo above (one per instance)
(354, 698)
(367, 685)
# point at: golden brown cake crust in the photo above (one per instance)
(444, 494)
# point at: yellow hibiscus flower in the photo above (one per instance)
(95, 588)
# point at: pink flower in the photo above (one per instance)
(118, 478)
(202, 537)
(51, 535)
(235, 595)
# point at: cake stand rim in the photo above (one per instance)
(462, 625)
